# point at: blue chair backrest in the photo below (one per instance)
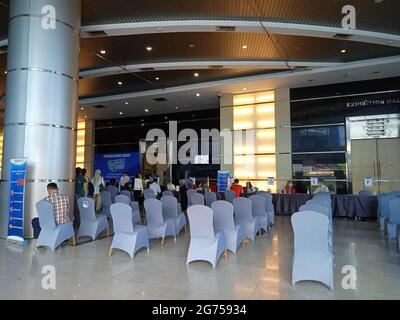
(258, 205)
(197, 198)
(45, 211)
(121, 198)
(394, 211)
(87, 209)
(323, 202)
(126, 193)
(201, 222)
(149, 194)
(365, 193)
(169, 207)
(105, 198)
(223, 215)
(384, 204)
(153, 209)
(243, 209)
(395, 193)
(210, 198)
(121, 214)
(310, 232)
(230, 195)
(316, 208)
(167, 193)
(189, 195)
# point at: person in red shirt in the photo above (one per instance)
(237, 188)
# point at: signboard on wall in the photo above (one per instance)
(16, 200)
(222, 180)
(112, 165)
(314, 181)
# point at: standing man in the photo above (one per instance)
(155, 187)
(124, 180)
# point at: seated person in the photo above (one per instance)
(171, 186)
(289, 188)
(249, 188)
(237, 188)
(60, 203)
(112, 188)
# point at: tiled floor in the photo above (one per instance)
(261, 270)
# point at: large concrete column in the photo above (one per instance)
(226, 122)
(42, 99)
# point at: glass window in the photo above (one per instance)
(314, 139)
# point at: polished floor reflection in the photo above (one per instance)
(261, 270)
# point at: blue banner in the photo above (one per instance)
(223, 177)
(112, 165)
(16, 199)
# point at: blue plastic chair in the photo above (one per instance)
(126, 193)
(189, 195)
(384, 211)
(205, 244)
(243, 215)
(167, 193)
(157, 226)
(106, 202)
(312, 256)
(51, 234)
(149, 194)
(127, 237)
(171, 210)
(394, 218)
(91, 225)
(223, 221)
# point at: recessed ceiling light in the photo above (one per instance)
(244, 89)
(191, 45)
(82, 108)
(142, 120)
(157, 78)
(121, 113)
(244, 46)
(85, 116)
(103, 51)
(119, 83)
(197, 94)
(5, 72)
(146, 110)
(343, 51)
(142, 124)
(126, 102)
(148, 48)
(176, 107)
(196, 74)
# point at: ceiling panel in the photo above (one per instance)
(146, 80)
(371, 16)
(170, 47)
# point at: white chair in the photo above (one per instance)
(205, 244)
(394, 218)
(189, 194)
(269, 206)
(230, 195)
(244, 216)
(223, 221)
(258, 209)
(210, 198)
(91, 224)
(127, 237)
(171, 210)
(312, 257)
(197, 198)
(157, 226)
(133, 204)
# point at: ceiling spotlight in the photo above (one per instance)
(197, 94)
(196, 74)
(149, 48)
(85, 116)
(191, 45)
(119, 83)
(176, 107)
(82, 108)
(343, 51)
(121, 113)
(157, 78)
(142, 120)
(244, 46)
(103, 51)
(146, 110)
(126, 102)
(244, 89)
(5, 72)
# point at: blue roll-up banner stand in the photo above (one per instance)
(222, 180)
(16, 201)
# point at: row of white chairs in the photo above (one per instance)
(313, 247)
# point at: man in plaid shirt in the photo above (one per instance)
(60, 203)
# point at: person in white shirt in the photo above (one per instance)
(137, 187)
(98, 183)
(171, 186)
(155, 187)
(124, 180)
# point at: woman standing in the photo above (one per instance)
(137, 188)
(98, 183)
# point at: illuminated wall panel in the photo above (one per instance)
(254, 138)
(80, 145)
(1, 150)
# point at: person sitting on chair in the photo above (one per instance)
(60, 203)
